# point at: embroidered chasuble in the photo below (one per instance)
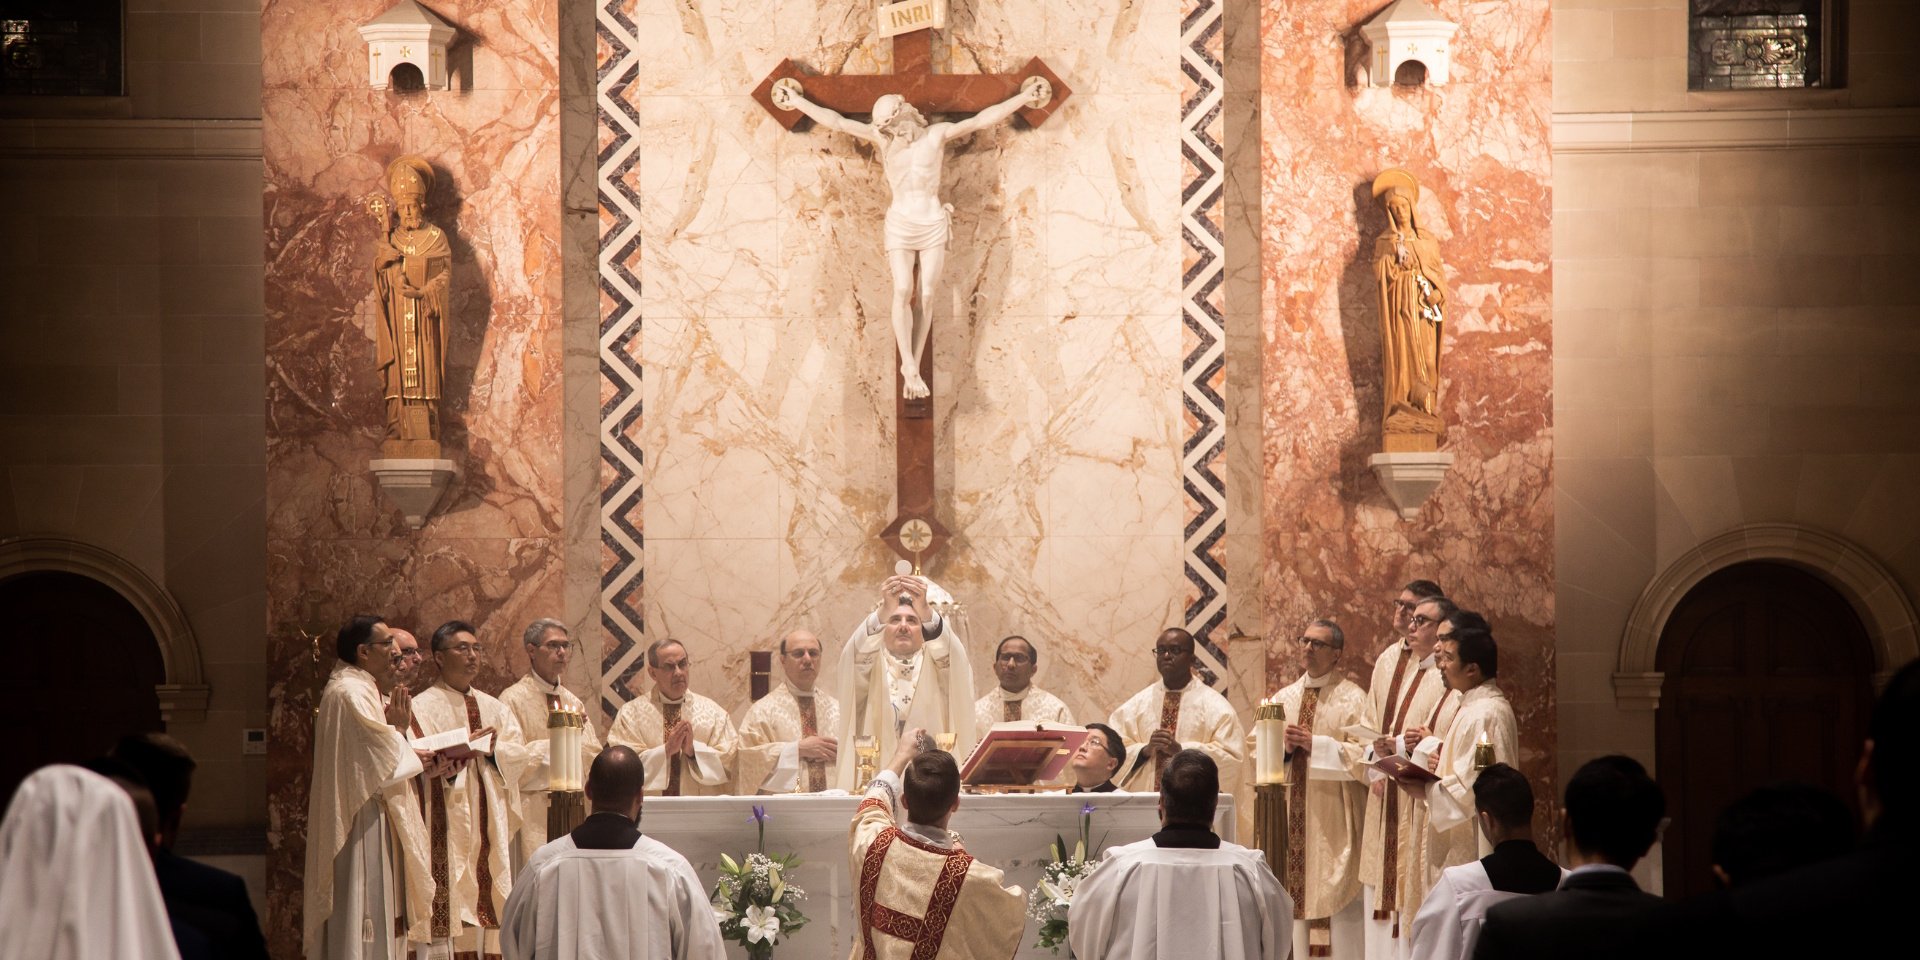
(881, 694)
(1325, 805)
(530, 698)
(920, 896)
(1403, 693)
(769, 758)
(1033, 705)
(1199, 717)
(642, 725)
(1451, 838)
(367, 870)
(471, 820)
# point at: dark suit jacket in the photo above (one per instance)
(212, 901)
(1592, 915)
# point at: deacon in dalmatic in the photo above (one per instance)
(1325, 803)
(687, 741)
(472, 814)
(786, 742)
(1173, 714)
(909, 671)
(367, 882)
(1468, 657)
(531, 699)
(1406, 692)
(919, 894)
(1017, 697)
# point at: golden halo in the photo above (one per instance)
(1396, 177)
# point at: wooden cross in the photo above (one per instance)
(933, 93)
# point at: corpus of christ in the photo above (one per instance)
(938, 480)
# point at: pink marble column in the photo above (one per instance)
(1333, 545)
(336, 546)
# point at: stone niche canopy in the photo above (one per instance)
(1409, 31)
(407, 33)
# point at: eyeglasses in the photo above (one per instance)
(1166, 651)
(802, 654)
(1315, 645)
(1015, 659)
(555, 649)
(465, 649)
(411, 653)
(678, 666)
(1404, 605)
(1420, 620)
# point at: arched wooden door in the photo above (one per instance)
(1768, 679)
(82, 668)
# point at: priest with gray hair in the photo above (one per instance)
(532, 698)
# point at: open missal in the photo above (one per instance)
(1021, 754)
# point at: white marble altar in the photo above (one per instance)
(1008, 831)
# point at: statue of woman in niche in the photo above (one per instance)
(1413, 300)
(411, 266)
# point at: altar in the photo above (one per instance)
(1009, 831)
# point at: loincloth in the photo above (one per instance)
(908, 232)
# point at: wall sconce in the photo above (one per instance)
(408, 33)
(1409, 31)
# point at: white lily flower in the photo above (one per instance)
(762, 924)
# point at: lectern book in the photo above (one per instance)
(1021, 754)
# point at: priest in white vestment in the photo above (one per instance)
(786, 737)
(473, 814)
(1324, 801)
(1448, 924)
(1017, 698)
(1173, 714)
(687, 741)
(75, 879)
(1469, 659)
(1404, 703)
(1183, 892)
(605, 891)
(368, 885)
(909, 671)
(917, 892)
(532, 698)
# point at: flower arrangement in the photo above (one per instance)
(1053, 895)
(753, 901)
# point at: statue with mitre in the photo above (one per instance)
(904, 666)
(411, 266)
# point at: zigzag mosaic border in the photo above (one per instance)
(622, 574)
(1202, 369)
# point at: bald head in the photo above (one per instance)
(615, 780)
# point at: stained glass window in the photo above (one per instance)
(64, 48)
(1758, 44)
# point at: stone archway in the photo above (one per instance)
(183, 695)
(1871, 590)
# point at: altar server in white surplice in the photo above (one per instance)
(918, 893)
(909, 671)
(531, 699)
(686, 740)
(1448, 924)
(75, 880)
(1183, 892)
(368, 885)
(1468, 657)
(605, 891)
(1017, 698)
(1324, 801)
(1175, 713)
(786, 738)
(1404, 702)
(471, 815)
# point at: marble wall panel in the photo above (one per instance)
(1333, 545)
(763, 333)
(336, 545)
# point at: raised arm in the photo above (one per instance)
(787, 94)
(1034, 92)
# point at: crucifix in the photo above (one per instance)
(918, 224)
